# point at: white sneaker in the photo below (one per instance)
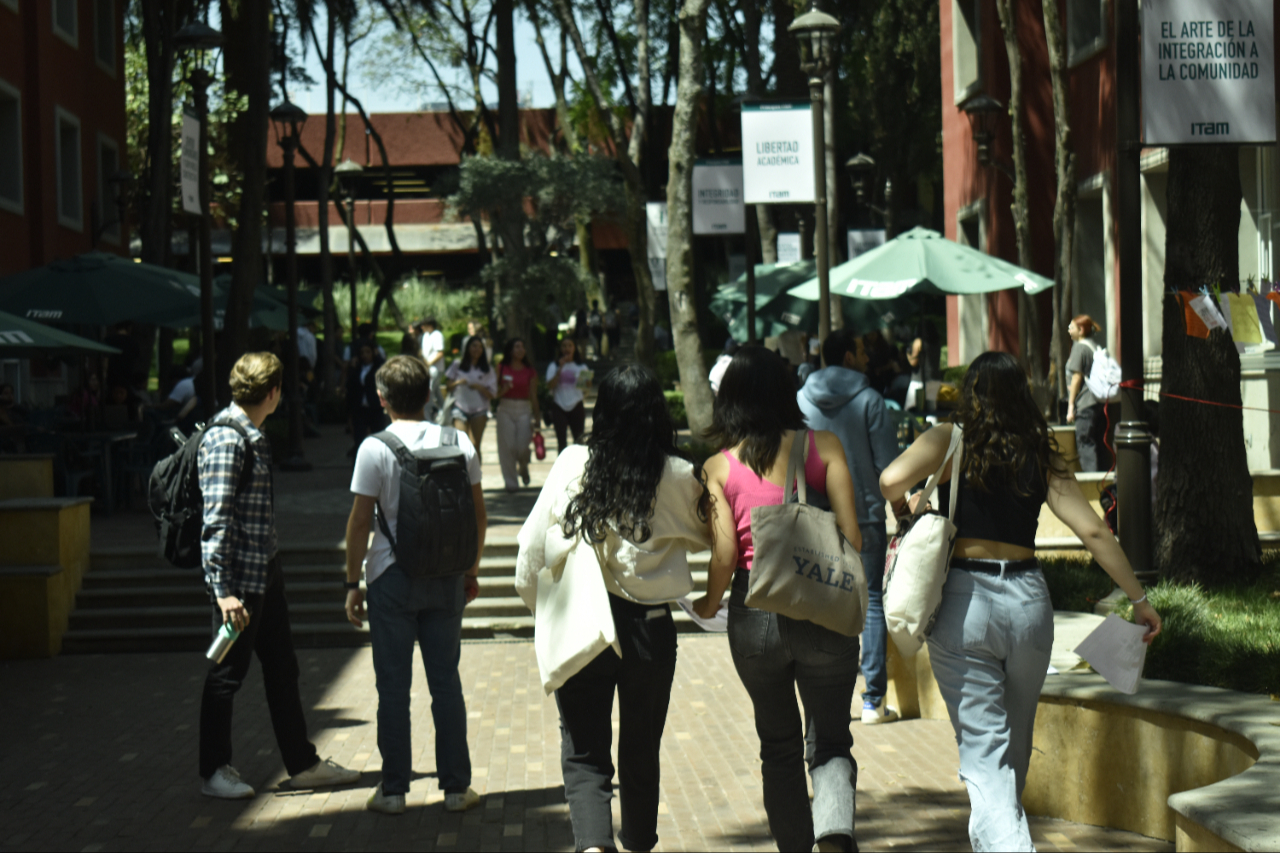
(468, 799)
(385, 803)
(324, 774)
(873, 715)
(225, 784)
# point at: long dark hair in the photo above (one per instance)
(577, 350)
(631, 437)
(1003, 428)
(507, 353)
(483, 363)
(755, 406)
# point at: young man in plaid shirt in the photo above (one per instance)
(244, 578)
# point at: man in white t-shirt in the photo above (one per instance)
(404, 610)
(433, 355)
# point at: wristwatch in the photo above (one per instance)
(351, 584)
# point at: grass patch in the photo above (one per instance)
(1224, 637)
(675, 405)
(1076, 584)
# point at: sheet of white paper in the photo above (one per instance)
(1052, 670)
(1116, 651)
(717, 623)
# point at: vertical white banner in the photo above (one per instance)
(789, 248)
(717, 197)
(777, 153)
(190, 165)
(656, 216)
(1208, 71)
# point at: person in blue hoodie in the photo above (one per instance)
(839, 398)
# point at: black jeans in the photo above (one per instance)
(774, 655)
(1091, 437)
(575, 419)
(642, 678)
(268, 634)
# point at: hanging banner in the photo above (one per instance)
(864, 240)
(789, 248)
(717, 197)
(777, 153)
(190, 164)
(1208, 72)
(656, 225)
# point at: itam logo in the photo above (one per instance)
(1210, 128)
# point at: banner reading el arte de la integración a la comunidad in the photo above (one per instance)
(1208, 72)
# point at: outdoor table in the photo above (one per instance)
(102, 442)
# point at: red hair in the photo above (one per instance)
(1086, 325)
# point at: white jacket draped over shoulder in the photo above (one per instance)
(565, 582)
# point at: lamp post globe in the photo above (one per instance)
(982, 111)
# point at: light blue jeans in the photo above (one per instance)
(990, 652)
(426, 611)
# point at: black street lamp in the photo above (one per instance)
(348, 173)
(815, 31)
(199, 37)
(288, 119)
(983, 112)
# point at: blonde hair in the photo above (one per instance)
(253, 377)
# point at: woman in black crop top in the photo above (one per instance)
(990, 644)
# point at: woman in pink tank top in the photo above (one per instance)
(756, 419)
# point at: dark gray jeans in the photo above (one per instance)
(774, 655)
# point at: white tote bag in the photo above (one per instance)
(918, 558)
(573, 621)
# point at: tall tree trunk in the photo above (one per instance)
(681, 287)
(1028, 314)
(509, 222)
(1204, 503)
(247, 54)
(324, 178)
(1064, 203)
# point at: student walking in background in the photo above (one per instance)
(246, 584)
(990, 645)
(756, 419)
(473, 384)
(839, 398)
(404, 608)
(518, 413)
(569, 412)
(433, 355)
(362, 393)
(627, 507)
(1086, 411)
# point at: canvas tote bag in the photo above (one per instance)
(804, 568)
(918, 558)
(573, 621)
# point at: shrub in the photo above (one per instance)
(668, 371)
(416, 299)
(675, 405)
(1076, 583)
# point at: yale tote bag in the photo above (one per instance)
(804, 568)
(917, 561)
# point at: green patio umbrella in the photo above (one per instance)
(99, 289)
(21, 338)
(772, 281)
(923, 261)
(267, 312)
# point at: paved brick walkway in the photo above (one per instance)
(100, 754)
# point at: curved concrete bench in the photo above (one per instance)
(1194, 765)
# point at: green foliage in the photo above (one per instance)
(416, 298)
(675, 405)
(954, 375)
(1227, 637)
(664, 364)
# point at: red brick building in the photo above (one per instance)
(62, 129)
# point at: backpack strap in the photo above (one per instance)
(404, 458)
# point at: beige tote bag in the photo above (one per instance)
(804, 568)
(918, 558)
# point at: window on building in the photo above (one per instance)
(64, 21)
(10, 148)
(104, 34)
(108, 209)
(1086, 29)
(70, 198)
(966, 48)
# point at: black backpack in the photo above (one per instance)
(437, 517)
(175, 499)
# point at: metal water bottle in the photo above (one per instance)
(222, 643)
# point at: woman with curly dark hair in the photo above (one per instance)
(756, 420)
(625, 508)
(991, 642)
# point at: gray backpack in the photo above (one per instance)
(436, 519)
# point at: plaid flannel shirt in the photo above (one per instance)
(239, 536)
